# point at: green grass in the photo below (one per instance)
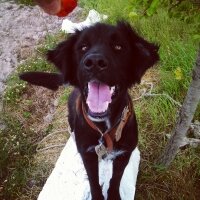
(25, 2)
(176, 31)
(115, 10)
(17, 150)
(18, 140)
(177, 50)
(15, 86)
(64, 97)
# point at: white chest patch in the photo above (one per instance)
(69, 180)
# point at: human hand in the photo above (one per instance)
(61, 8)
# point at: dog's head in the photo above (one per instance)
(103, 61)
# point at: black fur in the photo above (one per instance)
(116, 56)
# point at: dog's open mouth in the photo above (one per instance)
(98, 98)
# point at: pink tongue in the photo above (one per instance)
(99, 96)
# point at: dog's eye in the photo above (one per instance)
(84, 47)
(118, 47)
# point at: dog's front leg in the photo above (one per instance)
(119, 165)
(90, 161)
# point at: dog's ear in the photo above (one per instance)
(144, 53)
(63, 57)
(49, 80)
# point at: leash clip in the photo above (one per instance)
(100, 149)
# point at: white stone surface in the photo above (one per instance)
(69, 181)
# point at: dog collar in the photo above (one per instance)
(115, 132)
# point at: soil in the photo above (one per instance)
(22, 28)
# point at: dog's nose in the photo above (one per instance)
(95, 61)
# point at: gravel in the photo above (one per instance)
(21, 28)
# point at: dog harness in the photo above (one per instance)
(110, 135)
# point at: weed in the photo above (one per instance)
(16, 153)
(64, 97)
(18, 140)
(15, 86)
(50, 42)
(26, 114)
(25, 2)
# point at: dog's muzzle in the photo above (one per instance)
(95, 63)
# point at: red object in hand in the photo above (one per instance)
(66, 7)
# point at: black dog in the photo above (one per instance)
(102, 62)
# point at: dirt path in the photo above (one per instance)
(21, 28)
